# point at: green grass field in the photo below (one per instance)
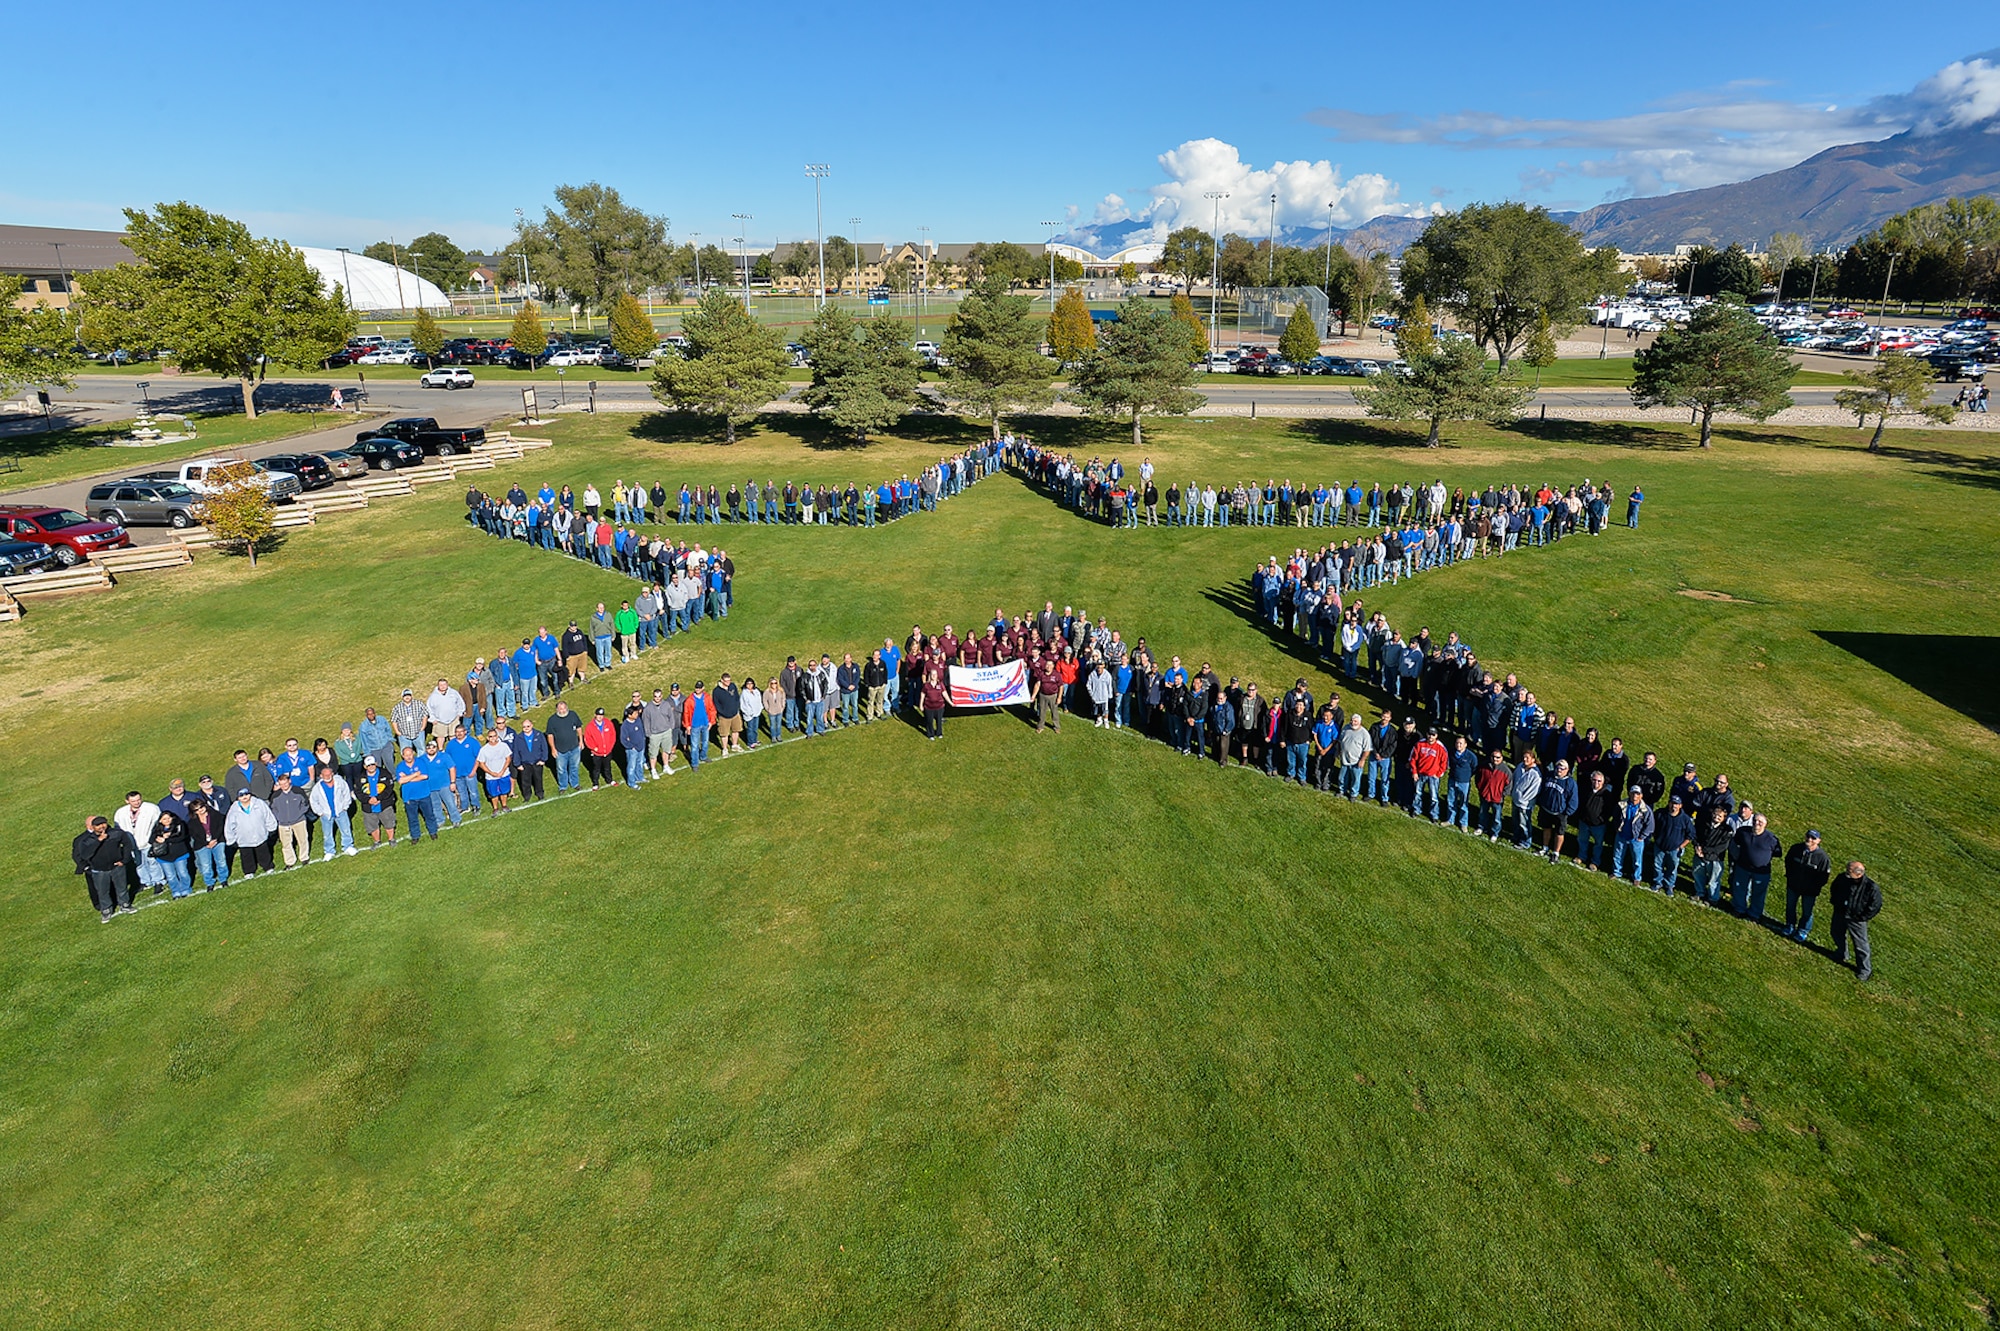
(1020, 1030)
(62, 455)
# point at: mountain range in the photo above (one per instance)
(1831, 198)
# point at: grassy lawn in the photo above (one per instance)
(1019, 1030)
(61, 455)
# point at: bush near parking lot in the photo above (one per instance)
(239, 512)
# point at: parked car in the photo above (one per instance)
(1218, 364)
(313, 471)
(926, 350)
(573, 356)
(428, 435)
(73, 536)
(341, 359)
(617, 360)
(453, 377)
(20, 558)
(515, 359)
(389, 356)
(344, 465)
(282, 485)
(134, 503)
(386, 454)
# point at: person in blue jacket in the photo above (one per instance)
(1458, 787)
(1558, 800)
(503, 685)
(526, 672)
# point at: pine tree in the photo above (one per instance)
(528, 336)
(733, 364)
(1723, 360)
(1140, 366)
(1414, 338)
(1197, 332)
(1300, 341)
(632, 331)
(1895, 385)
(1452, 383)
(864, 373)
(993, 349)
(1071, 333)
(427, 336)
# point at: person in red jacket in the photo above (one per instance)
(599, 738)
(1427, 763)
(697, 715)
(1493, 780)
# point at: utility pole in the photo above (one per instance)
(743, 255)
(818, 172)
(695, 245)
(1883, 313)
(1326, 283)
(1215, 196)
(1050, 246)
(347, 287)
(396, 254)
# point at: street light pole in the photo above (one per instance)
(396, 254)
(923, 274)
(743, 255)
(1326, 283)
(1050, 246)
(521, 228)
(818, 172)
(695, 245)
(1215, 196)
(855, 241)
(1883, 312)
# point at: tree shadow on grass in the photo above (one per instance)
(1981, 471)
(1956, 670)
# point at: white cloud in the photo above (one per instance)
(1696, 139)
(1304, 190)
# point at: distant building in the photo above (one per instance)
(47, 260)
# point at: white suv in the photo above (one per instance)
(453, 376)
(575, 357)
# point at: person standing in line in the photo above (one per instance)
(750, 703)
(170, 852)
(108, 859)
(289, 808)
(1672, 830)
(1463, 766)
(934, 693)
(726, 700)
(495, 766)
(1100, 689)
(565, 731)
(1635, 829)
(1807, 870)
(1493, 780)
(626, 622)
(1752, 851)
(1857, 899)
(136, 818)
(331, 798)
(1596, 812)
(659, 719)
(249, 828)
(697, 715)
(599, 738)
(875, 686)
(1559, 800)
(1428, 763)
(1711, 854)
(531, 758)
(376, 794)
(204, 832)
(774, 708)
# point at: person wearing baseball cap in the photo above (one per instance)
(375, 793)
(1635, 829)
(1807, 869)
(1673, 828)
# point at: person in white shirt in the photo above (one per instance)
(445, 708)
(138, 816)
(496, 760)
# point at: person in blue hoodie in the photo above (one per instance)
(1672, 830)
(1458, 785)
(1558, 801)
(503, 686)
(526, 674)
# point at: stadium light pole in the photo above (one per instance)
(855, 241)
(923, 274)
(1271, 256)
(743, 255)
(695, 245)
(347, 288)
(395, 254)
(1326, 283)
(521, 227)
(1215, 196)
(1890, 276)
(1050, 246)
(818, 172)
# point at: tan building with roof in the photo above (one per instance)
(47, 259)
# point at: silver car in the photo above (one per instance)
(144, 503)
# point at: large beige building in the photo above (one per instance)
(47, 259)
(935, 266)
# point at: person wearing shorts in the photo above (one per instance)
(496, 760)
(375, 792)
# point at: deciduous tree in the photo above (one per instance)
(37, 345)
(1540, 352)
(1072, 336)
(1195, 330)
(1452, 383)
(1499, 268)
(238, 508)
(993, 347)
(732, 365)
(1415, 338)
(1187, 254)
(225, 302)
(1895, 385)
(1723, 360)
(593, 245)
(1140, 367)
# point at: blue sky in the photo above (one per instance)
(342, 125)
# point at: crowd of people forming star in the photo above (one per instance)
(1452, 743)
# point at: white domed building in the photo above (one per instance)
(371, 284)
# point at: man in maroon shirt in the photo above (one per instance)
(1048, 688)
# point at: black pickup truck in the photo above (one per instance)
(425, 433)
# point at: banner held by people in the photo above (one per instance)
(989, 686)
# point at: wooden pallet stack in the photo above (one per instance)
(85, 577)
(144, 558)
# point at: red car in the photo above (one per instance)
(72, 535)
